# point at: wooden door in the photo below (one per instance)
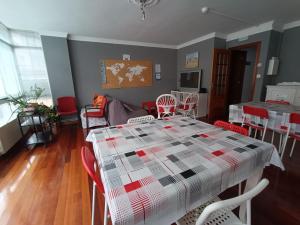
(219, 85)
(237, 71)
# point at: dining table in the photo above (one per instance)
(155, 172)
(279, 114)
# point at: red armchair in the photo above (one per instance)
(96, 109)
(150, 107)
(66, 106)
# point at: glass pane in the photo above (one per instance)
(25, 38)
(8, 73)
(33, 71)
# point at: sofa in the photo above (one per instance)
(119, 112)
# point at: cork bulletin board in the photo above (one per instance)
(126, 74)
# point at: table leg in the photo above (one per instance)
(251, 182)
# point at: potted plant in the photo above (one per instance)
(28, 103)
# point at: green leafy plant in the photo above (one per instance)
(49, 112)
(20, 101)
(26, 102)
(36, 92)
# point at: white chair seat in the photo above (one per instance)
(221, 217)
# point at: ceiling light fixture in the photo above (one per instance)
(143, 4)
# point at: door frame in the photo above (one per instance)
(257, 47)
(214, 57)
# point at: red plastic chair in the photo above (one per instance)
(89, 163)
(294, 121)
(282, 102)
(66, 106)
(255, 113)
(238, 129)
(234, 128)
(222, 124)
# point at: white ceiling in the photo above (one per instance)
(171, 22)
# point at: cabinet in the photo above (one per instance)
(201, 108)
(290, 93)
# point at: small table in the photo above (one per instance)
(279, 114)
(155, 172)
(39, 125)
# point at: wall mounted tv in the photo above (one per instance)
(190, 79)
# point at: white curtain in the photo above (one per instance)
(22, 63)
(9, 80)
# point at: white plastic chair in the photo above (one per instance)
(189, 105)
(220, 212)
(140, 119)
(166, 105)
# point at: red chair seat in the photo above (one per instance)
(67, 113)
(95, 114)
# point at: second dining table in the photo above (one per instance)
(155, 172)
(279, 114)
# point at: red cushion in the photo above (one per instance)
(67, 113)
(66, 104)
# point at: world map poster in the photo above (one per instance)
(126, 74)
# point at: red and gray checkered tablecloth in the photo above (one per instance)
(279, 114)
(155, 172)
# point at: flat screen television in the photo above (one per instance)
(190, 79)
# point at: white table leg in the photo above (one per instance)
(250, 183)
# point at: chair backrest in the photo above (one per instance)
(239, 130)
(89, 162)
(231, 127)
(282, 102)
(166, 104)
(255, 111)
(222, 124)
(233, 203)
(295, 118)
(99, 101)
(66, 104)
(190, 101)
(140, 119)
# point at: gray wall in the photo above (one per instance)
(264, 38)
(248, 75)
(289, 67)
(58, 66)
(205, 50)
(85, 61)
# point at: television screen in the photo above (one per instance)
(189, 79)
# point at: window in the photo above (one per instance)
(22, 64)
(9, 82)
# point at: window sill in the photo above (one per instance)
(6, 115)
